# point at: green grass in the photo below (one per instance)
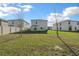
(39, 44)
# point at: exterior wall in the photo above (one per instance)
(78, 28)
(74, 25)
(4, 29)
(18, 23)
(65, 26)
(14, 23)
(17, 29)
(13, 29)
(40, 25)
(25, 26)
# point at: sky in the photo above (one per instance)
(46, 11)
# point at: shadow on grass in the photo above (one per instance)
(31, 32)
(68, 31)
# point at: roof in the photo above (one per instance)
(71, 20)
(18, 20)
(3, 20)
(38, 20)
(67, 21)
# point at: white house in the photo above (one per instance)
(39, 25)
(4, 28)
(18, 25)
(67, 25)
(12, 26)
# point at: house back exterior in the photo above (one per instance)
(4, 29)
(39, 25)
(12, 26)
(67, 25)
(19, 24)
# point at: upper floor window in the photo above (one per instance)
(60, 28)
(69, 22)
(75, 28)
(35, 28)
(41, 28)
(36, 22)
(77, 23)
(12, 22)
(0, 22)
(60, 23)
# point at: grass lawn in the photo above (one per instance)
(39, 44)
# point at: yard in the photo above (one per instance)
(39, 44)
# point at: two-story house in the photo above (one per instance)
(67, 25)
(39, 25)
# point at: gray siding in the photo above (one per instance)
(9, 27)
(40, 25)
(65, 25)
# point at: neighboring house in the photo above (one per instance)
(39, 25)
(26, 25)
(49, 27)
(4, 28)
(19, 24)
(67, 25)
(12, 26)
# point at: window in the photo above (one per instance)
(41, 28)
(0, 22)
(77, 23)
(75, 28)
(60, 28)
(12, 22)
(70, 28)
(36, 22)
(69, 22)
(35, 28)
(60, 23)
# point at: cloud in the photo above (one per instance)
(6, 9)
(53, 17)
(50, 21)
(11, 10)
(27, 6)
(27, 10)
(65, 15)
(71, 11)
(56, 16)
(2, 14)
(3, 4)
